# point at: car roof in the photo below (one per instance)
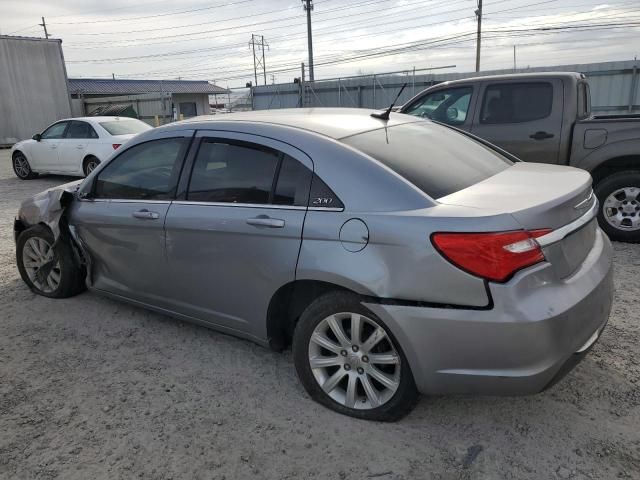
(513, 76)
(336, 123)
(97, 118)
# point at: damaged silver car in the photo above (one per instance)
(394, 255)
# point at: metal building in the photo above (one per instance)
(33, 86)
(160, 101)
(615, 87)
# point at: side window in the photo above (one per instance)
(292, 187)
(516, 102)
(79, 129)
(55, 131)
(447, 106)
(148, 171)
(233, 172)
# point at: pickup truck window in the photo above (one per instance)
(516, 102)
(447, 106)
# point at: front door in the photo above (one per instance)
(233, 240)
(523, 117)
(121, 223)
(45, 152)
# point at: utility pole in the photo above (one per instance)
(479, 16)
(44, 25)
(258, 59)
(113, 76)
(514, 58)
(308, 7)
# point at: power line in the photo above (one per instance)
(168, 14)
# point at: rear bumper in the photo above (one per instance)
(536, 332)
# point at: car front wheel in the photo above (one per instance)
(48, 267)
(21, 167)
(349, 361)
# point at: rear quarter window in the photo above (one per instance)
(436, 159)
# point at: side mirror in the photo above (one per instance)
(452, 114)
(37, 137)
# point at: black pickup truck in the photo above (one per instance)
(546, 117)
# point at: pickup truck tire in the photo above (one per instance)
(619, 214)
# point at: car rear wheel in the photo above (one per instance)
(349, 361)
(21, 167)
(48, 267)
(619, 196)
(90, 164)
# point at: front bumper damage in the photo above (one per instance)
(48, 208)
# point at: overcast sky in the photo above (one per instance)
(198, 39)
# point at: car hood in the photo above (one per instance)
(48, 206)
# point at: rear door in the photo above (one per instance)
(121, 222)
(234, 237)
(73, 147)
(45, 152)
(523, 117)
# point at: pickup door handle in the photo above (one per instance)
(265, 221)
(146, 214)
(79, 146)
(541, 135)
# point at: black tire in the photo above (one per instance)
(21, 166)
(396, 407)
(89, 164)
(72, 277)
(606, 187)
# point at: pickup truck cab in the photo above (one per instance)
(546, 118)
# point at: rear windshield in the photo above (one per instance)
(124, 127)
(437, 160)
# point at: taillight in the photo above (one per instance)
(493, 255)
(116, 145)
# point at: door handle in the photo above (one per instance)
(54, 146)
(79, 146)
(146, 214)
(541, 135)
(265, 221)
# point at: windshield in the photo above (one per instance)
(436, 159)
(125, 127)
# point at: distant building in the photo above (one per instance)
(33, 87)
(152, 101)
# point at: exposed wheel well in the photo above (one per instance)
(16, 152)
(614, 165)
(288, 303)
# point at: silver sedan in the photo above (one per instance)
(394, 256)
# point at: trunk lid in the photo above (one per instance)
(540, 196)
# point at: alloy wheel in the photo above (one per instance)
(41, 264)
(621, 208)
(21, 166)
(354, 361)
(91, 166)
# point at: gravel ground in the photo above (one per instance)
(92, 388)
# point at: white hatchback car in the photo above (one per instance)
(73, 146)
